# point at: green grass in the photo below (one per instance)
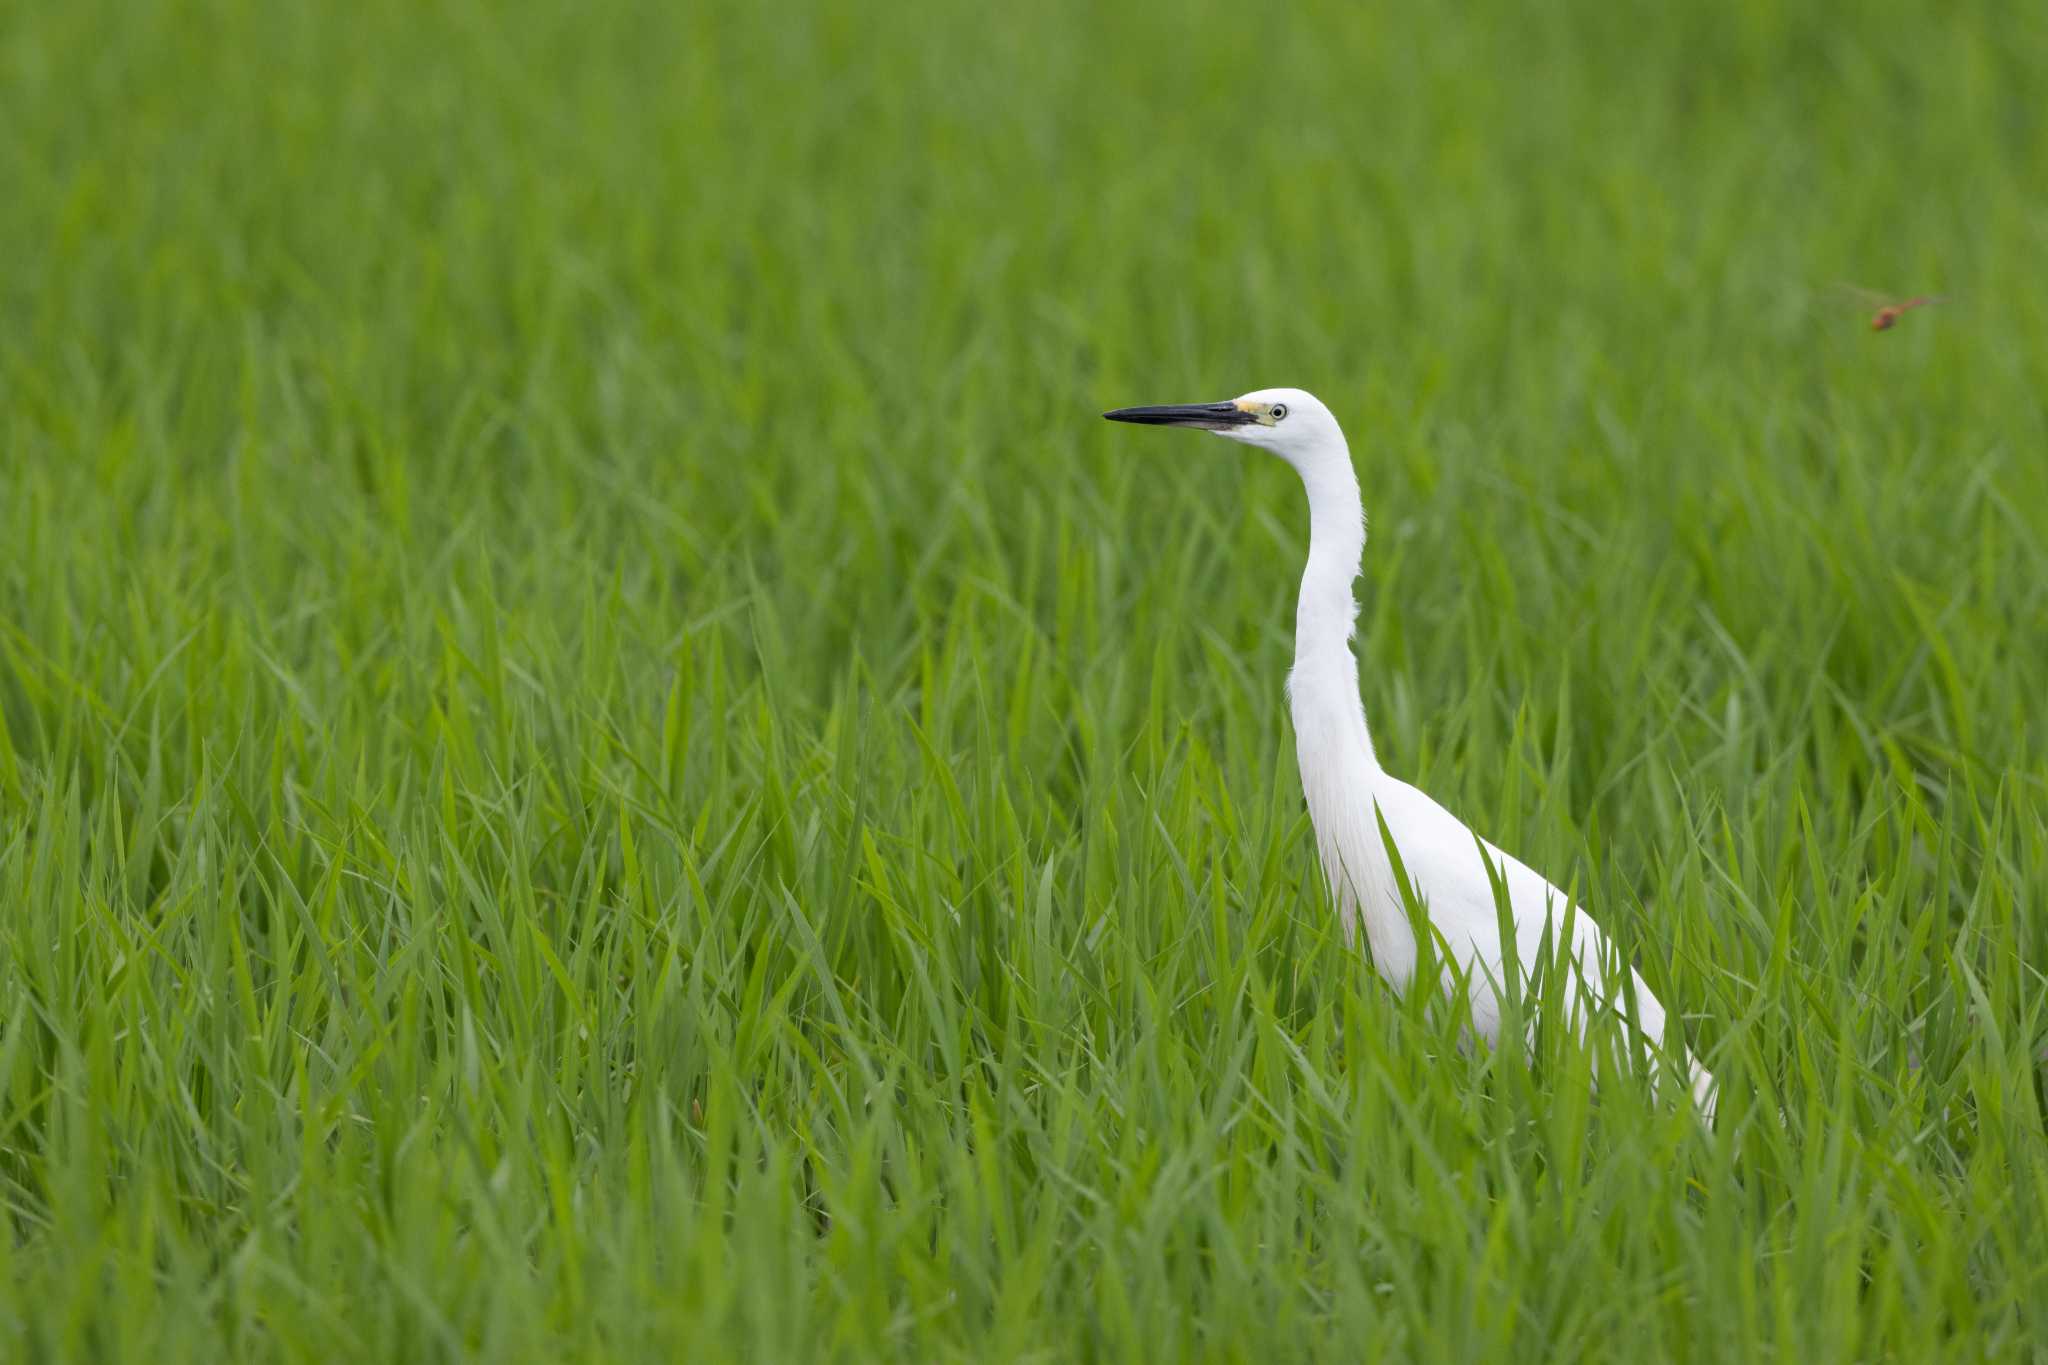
(603, 759)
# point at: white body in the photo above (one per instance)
(1349, 794)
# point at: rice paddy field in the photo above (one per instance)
(602, 758)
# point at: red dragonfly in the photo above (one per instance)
(1887, 317)
(1888, 314)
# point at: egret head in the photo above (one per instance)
(1292, 424)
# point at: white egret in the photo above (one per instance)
(1349, 795)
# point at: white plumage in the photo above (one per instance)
(1349, 795)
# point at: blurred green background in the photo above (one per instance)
(603, 758)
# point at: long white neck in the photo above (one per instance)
(1325, 675)
(1339, 772)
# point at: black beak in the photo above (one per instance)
(1208, 416)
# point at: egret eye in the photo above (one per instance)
(1279, 411)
